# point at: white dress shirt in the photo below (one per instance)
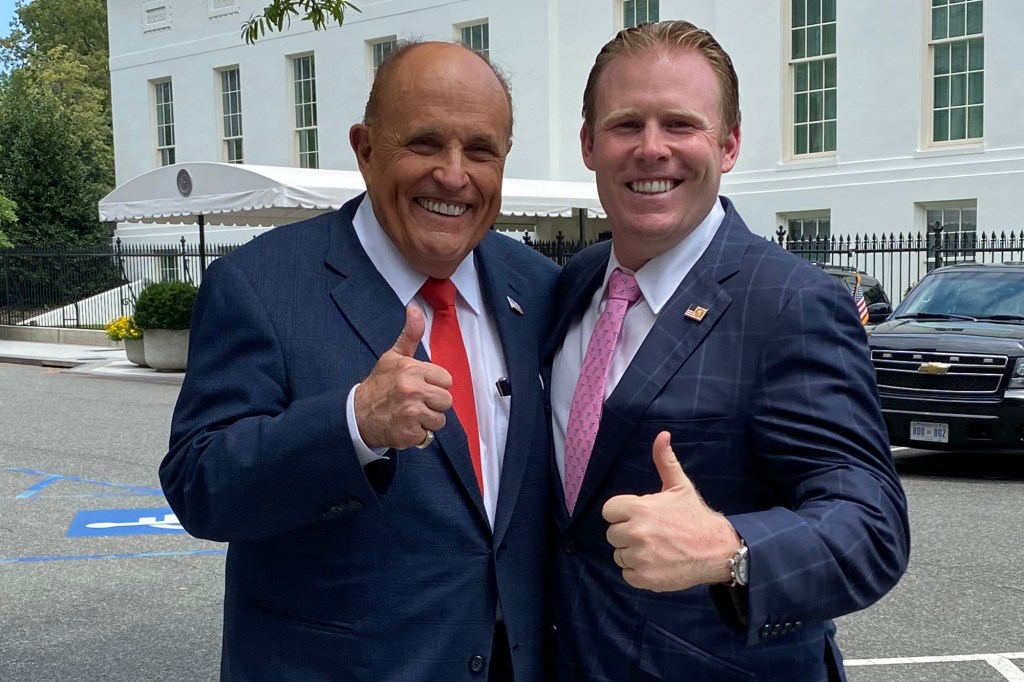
(658, 280)
(479, 334)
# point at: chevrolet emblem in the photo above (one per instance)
(933, 368)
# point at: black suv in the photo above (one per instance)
(879, 307)
(950, 360)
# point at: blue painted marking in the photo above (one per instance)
(124, 490)
(94, 557)
(97, 522)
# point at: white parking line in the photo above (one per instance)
(1001, 662)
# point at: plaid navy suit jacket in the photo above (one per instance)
(774, 413)
(336, 573)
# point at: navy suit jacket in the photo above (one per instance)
(333, 572)
(774, 414)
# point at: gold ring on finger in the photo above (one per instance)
(427, 440)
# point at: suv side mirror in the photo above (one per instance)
(879, 312)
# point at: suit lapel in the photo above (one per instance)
(577, 296)
(671, 341)
(499, 284)
(362, 294)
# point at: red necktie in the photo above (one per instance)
(448, 351)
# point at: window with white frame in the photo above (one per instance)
(812, 76)
(231, 115)
(957, 223)
(957, 58)
(476, 37)
(163, 97)
(307, 144)
(808, 234)
(168, 266)
(636, 12)
(378, 50)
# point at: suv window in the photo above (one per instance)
(970, 293)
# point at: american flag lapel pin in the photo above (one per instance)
(696, 312)
(514, 305)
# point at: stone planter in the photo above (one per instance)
(135, 351)
(166, 349)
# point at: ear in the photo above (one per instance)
(587, 146)
(359, 138)
(731, 149)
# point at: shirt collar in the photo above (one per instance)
(659, 277)
(402, 277)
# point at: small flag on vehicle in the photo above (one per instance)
(858, 299)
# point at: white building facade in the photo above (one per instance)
(859, 116)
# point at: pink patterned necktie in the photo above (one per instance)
(587, 400)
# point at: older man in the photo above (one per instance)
(385, 512)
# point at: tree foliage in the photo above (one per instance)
(7, 217)
(279, 13)
(57, 157)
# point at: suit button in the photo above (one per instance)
(476, 664)
(569, 547)
(766, 631)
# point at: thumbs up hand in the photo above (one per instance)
(669, 540)
(403, 397)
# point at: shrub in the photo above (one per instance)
(165, 305)
(122, 328)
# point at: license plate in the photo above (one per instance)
(932, 432)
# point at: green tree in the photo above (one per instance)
(52, 169)
(280, 12)
(7, 217)
(79, 25)
(57, 161)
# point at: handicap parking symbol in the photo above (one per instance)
(103, 522)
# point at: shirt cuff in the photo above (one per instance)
(364, 452)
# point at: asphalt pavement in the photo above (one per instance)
(85, 597)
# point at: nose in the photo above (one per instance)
(653, 144)
(450, 171)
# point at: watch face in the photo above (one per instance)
(743, 568)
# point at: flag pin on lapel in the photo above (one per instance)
(695, 312)
(516, 308)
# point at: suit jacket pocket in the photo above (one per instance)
(668, 657)
(289, 620)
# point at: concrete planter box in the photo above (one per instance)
(166, 349)
(136, 352)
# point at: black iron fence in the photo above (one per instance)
(88, 287)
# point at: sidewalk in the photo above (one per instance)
(93, 361)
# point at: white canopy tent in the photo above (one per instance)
(237, 194)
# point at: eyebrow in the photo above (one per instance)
(630, 112)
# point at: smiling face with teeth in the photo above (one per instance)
(433, 157)
(657, 148)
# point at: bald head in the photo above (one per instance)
(412, 60)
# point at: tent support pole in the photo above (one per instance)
(202, 243)
(582, 215)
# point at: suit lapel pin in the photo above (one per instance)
(695, 312)
(516, 308)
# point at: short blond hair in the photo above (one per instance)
(668, 35)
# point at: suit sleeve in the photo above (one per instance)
(842, 539)
(247, 461)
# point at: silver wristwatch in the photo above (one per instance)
(739, 566)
